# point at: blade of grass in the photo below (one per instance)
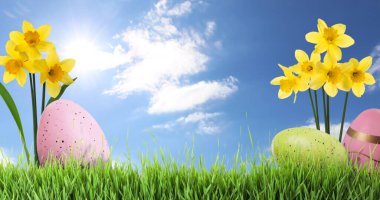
(16, 117)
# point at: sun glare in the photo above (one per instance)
(83, 51)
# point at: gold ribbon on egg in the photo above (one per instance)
(363, 136)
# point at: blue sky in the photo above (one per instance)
(187, 71)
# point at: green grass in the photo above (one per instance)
(162, 178)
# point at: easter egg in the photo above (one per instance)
(363, 137)
(66, 130)
(306, 145)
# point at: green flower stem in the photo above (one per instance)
(312, 105)
(32, 79)
(43, 98)
(343, 116)
(316, 109)
(324, 108)
(328, 113)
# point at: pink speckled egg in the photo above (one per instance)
(363, 137)
(66, 129)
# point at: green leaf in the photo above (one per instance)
(64, 87)
(13, 109)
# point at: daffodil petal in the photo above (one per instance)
(345, 67)
(21, 77)
(43, 77)
(313, 37)
(44, 31)
(287, 71)
(322, 68)
(340, 28)
(296, 68)
(344, 41)
(66, 79)
(321, 47)
(3, 60)
(283, 95)
(345, 84)
(8, 77)
(27, 26)
(17, 37)
(335, 52)
(31, 67)
(10, 49)
(45, 46)
(369, 80)
(317, 82)
(321, 25)
(330, 89)
(67, 65)
(53, 88)
(33, 53)
(358, 89)
(301, 56)
(315, 57)
(276, 81)
(354, 62)
(41, 65)
(365, 63)
(52, 58)
(303, 84)
(329, 60)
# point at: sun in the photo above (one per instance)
(84, 52)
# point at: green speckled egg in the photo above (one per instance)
(302, 144)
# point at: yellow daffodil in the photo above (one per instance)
(15, 63)
(54, 71)
(32, 40)
(306, 67)
(330, 39)
(289, 83)
(359, 76)
(332, 75)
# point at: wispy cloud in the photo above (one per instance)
(210, 28)
(180, 9)
(162, 56)
(16, 11)
(375, 69)
(205, 122)
(9, 14)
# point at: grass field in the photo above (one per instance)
(162, 178)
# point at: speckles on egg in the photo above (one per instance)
(66, 123)
(304, 143)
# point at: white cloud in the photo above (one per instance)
(210, 28)
(161, 58)
(334, 128)
(375, 68)
(196, 117)
(89, 57)
(205, 122)
(180, 9)
(172, 98)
